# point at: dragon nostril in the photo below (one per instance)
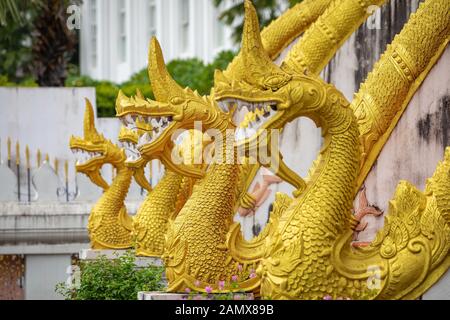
(170, 118)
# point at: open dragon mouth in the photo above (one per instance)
(249, 116)
(84, 157)
(159, 125)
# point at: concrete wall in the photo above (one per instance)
(415, 146)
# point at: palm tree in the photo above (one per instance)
(53, 44)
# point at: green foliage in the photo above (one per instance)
(15, 48)
(267, 10)
(120, 279)
(25, 82)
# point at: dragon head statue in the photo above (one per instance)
(128, 140)
(175, 111)
(273, 95)
(93, 150)
(276, 95)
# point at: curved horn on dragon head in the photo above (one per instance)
(163, 85)
(93, 150)
(253, 65)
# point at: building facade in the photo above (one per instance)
(115, 34)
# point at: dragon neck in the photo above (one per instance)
(221, 176)
(203, 223)
(114, 196)
(331, 184)
(151, 221)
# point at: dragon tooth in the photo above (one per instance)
(142, 139)
(154, 123)
(128, 119)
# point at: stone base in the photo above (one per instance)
(157, 295)
(142, 262)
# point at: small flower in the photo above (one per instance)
(239, 267)
(187, 290)
(208, 289)
(327, 297)
(252, 275)
(234, 278)
(237, 297)
(197, 283)
(221, 285)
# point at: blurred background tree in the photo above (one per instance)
(267, 10)
(35, 41)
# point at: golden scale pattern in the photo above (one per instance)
(151, 222)
(308, 255)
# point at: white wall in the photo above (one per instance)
(43, 118)
(203, 24)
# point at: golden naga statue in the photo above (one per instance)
(109, 224)
(216, 195)
(309, 255)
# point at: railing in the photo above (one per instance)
(27, 180)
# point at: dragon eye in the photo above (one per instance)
(176, 100)
(275, 81)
